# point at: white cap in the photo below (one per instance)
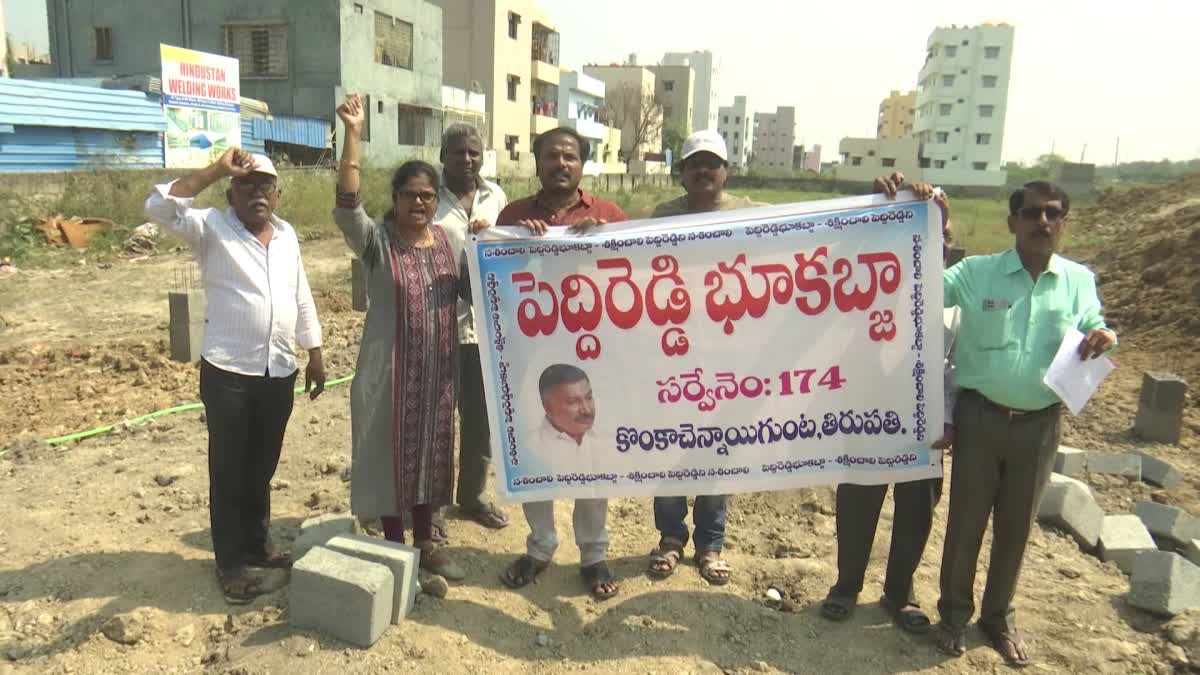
(263, 164)
(707, 140)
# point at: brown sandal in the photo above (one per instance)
(487, 515)
(239, 588)
(665, 558)
(1009, 645)
(278, 560)
(713, 568)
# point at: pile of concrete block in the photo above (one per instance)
(1158, 545)
(350, 586)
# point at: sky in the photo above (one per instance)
(1084, 73)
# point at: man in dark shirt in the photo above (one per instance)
(560, 154)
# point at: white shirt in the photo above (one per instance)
(489, 201)
(258, 299)
(559, 453)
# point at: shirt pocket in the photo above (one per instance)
(1050, 326)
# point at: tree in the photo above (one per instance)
(632, 109)
(672, 139)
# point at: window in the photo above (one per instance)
(983, 139)
(856, 161)
(736, 135)
(944, 109)
(986, 110)
(924, 162)
(366, 129)
(668, 85)
(943, 137)
(966, 42)
(989, 81)
(261, 49)
(513, 81)
(991, 52)
(418, 126)
(951, 51)
(510, 144)
(726, 120)
(954, 158)
(947, 80)
(870, 153)
(104, 45)
(889, 161)
(737, 120)
(939, 163)
(514, 22)
(667, 110)
(380, 105)
(725, 135)
(961, 101)
(393, 41)
(358, 8)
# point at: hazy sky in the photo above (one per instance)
(1084, 72)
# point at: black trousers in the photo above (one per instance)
(474, 439)
(247, 416)
(858, 508)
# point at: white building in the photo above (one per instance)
(707, 68)
(774, 136)
(581, 107)
(962, 98)
(735, 126)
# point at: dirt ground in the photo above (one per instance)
(93, 533)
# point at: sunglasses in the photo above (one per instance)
(1052, 213)
(426, 197)
(267, 188)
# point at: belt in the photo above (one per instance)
(1015, 413)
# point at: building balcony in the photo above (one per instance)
(545, 72)
(588, 128)
(540, 123)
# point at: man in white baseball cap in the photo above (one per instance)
(704, 168)
(259, 309)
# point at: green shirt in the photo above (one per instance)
(678, 207)
(1012, 327)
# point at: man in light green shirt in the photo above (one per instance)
(1016, 308)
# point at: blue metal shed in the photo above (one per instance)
(46, 126)
(307, 131)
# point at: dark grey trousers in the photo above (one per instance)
(474, 439)
(1002, 463)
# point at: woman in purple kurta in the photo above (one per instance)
(402, 399)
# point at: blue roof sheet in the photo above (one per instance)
(307, 131)
(47, 104)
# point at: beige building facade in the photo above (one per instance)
(625, 87)
(774, 138)
(897, 114)
(865, 159)
(508, 50)
(674, 89)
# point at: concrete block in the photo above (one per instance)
(1125, 464)
(1122, 539)
(340, 595)
(1191, 551)
(1072, 509)
(1157, 472)
(320, 529)
(1160, 407)
(400, 559)
(186, 325)
(1168, 522)
(1059, 479)
(1164, 583)
(358, 286)
(1070, 461)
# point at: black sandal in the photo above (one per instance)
(838, 607)
(597, 577)
(522, 572)
(239, 588)
(908, 616)
(665, 558)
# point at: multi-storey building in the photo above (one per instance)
(896, 115)
(736, 128)
(707, 68)
(774, 136)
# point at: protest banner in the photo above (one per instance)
(202, 104)
(719, 353)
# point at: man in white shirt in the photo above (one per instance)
(468, 202)
(565, 435)
(259, 304)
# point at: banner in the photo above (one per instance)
(739, 351)
(202, 103)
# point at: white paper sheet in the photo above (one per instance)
(1072, 379)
